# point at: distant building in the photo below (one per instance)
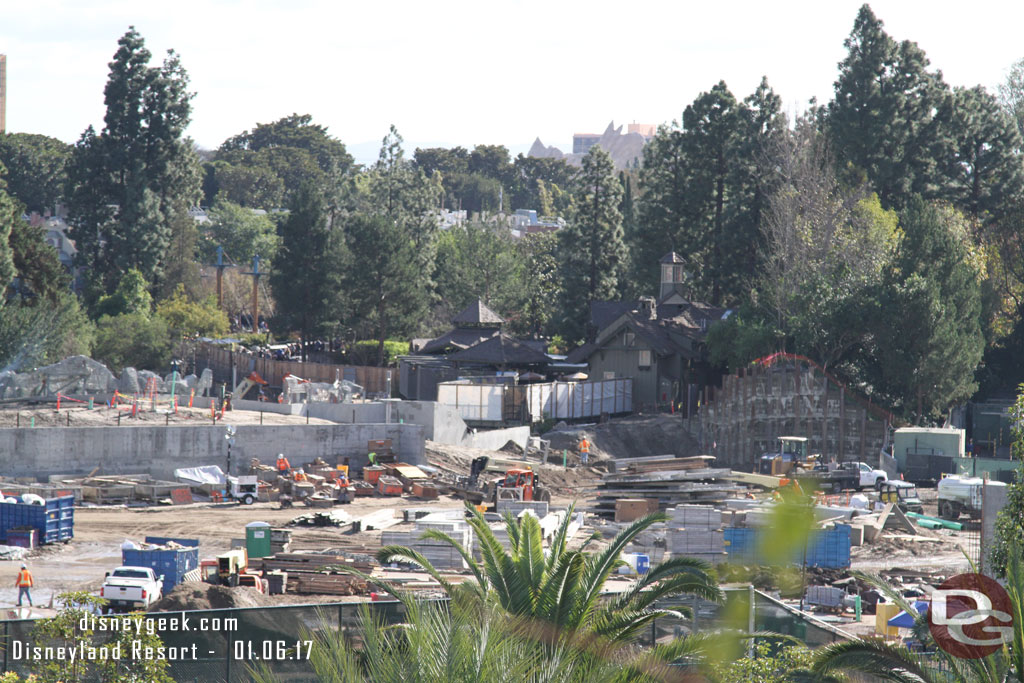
(582, 142)
(3, 93)
(648, 130)
(625, 149)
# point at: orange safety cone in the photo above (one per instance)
(58, 400)
(213, 410)
(190, 397)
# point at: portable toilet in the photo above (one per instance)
(257, 539)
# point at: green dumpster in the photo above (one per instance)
(257, 539)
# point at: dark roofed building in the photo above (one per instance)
(503, 352)
(478, 315)
(659, 343)
(476, 323)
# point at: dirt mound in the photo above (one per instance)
(512, 447)
(198, 596)
(630, 437)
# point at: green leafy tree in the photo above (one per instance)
(65, 631)
(825, 247)
(1010, 521)
(592, 253)
(533, 178)
(133, 340)
(240, 232)
(540, 286)
(186, 317)
(385, 291)
(308, 269)
(36, 169)
(36, 264)
(1011, 94)
(131, 296)
(928, 316)
(887, 116)
(253, 184)
(36, 333)
(10, 216)
(476, 261)
(129, 183)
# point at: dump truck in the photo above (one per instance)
(959, 494)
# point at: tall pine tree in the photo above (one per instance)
(591, 249)
(306, 279)
(887, 117)
(129, 184)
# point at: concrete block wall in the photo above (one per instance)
(159, 450)
(440, 423)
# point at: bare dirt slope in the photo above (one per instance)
(629, 437)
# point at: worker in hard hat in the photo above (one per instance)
(24, 583)
(584, 451)
(283, 466)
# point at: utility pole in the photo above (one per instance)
(255, 292)
(220, 266)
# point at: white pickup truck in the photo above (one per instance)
(128, 589)
(868, 477)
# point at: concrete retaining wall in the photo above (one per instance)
(160, 450)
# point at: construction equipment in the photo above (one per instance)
(230, 565)
(251, 380)
(959, 494)
(792, 454)
(903, 494)
(474, 488)
(521, 485)
(254, 581)
(244, 488)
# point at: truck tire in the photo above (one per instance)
(248, 499)
(543, 495)
(837, 487)
(878, 483)
(949, 510)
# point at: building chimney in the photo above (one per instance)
(648, 308)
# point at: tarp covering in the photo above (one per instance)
(197, 476)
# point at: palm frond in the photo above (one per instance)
(438, 535)
(559, 540)
(391, 553)
(556, 601)
(875, 657)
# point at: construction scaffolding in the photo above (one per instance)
(785, 394)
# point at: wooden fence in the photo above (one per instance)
(218, 358)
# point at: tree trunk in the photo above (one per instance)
(381, 334)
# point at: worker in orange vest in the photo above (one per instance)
(584, 449)
(283, 466)
(24, 583)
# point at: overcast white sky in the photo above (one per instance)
(468, 72)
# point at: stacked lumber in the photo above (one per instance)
(665, 478)
(296, 562)
(326, 584)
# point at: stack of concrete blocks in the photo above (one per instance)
(537, 507)
(650, 542)
(696, 531)
(440, 554)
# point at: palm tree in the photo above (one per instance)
(525, 616)
(558, 597)
(894, 662)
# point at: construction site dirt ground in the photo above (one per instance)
(100, 531)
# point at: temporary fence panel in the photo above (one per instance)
(475, 402)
